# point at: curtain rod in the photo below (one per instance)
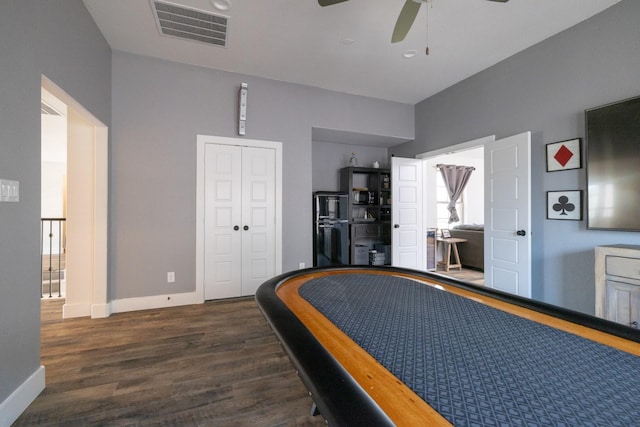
(440, 165)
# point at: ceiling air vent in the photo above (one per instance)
(191, 24)
(48, 109)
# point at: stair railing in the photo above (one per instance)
(51, 224)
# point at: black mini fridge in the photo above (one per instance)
(331, 228)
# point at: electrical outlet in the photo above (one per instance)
(171, 277)
(301, 265)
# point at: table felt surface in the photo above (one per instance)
(477, 365)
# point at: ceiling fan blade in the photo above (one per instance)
(405, 20)
(324, 3)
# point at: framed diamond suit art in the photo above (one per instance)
(564, 155)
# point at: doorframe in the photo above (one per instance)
(99, 307)
(476, 143)
(452, 149)
(201, 141)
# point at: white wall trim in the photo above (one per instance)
(14, 405)
(155, 301)
(201, 140)
(100, 221)
(458, 147)
(100, 200)
(70, 311)
(100, 311)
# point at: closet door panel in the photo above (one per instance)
(223, 205)
(258, 240)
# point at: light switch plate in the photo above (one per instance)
(9, 190)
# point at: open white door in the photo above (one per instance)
(507, 237)
(408, 234)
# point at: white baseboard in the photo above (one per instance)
(21, 398)
(70, 311)
(99, 311)
(155, 301)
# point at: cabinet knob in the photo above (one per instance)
(521, 233)
(236, 228)
(396, 225)
(246, 227)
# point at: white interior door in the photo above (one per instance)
(507, 237)
(222, 222)
(408, 239)
(239, 223)
(258, 217)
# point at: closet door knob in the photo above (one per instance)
(396, 225)
(246, 227)
(236, 228)
(521, 233)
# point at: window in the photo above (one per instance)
(442, 200)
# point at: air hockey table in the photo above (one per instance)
(390, 346)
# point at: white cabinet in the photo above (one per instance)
(617, 269)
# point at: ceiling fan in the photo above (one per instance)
(405, 19)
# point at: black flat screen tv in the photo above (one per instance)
(613, 166)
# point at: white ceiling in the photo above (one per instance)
(300, 42)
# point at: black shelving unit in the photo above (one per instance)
(369, 191)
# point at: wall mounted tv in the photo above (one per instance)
(613, 166)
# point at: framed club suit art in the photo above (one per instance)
(564, 205)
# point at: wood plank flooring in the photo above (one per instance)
(468, 275)
(213, 364)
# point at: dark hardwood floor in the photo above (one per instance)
(213, 364)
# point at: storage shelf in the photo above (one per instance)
(367, 234)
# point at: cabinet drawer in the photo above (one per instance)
(366, 231)
(623, 267)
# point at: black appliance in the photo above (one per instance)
(362, 197)
(331, 228)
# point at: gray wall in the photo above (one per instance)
(158, 109)
(60, 40)
(546, 89)
(329, 157)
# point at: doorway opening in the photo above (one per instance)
(74, 204)
(53, 119)
(507, 212)
(468, 232)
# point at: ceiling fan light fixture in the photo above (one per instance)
(405, 20)
(409, 53)
(223, 5)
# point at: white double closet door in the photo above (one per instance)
(239, 219)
